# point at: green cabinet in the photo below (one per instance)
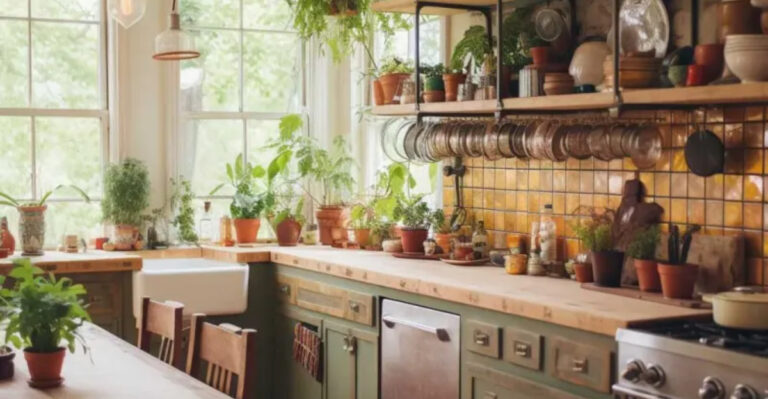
(291, 380)
(351, 363)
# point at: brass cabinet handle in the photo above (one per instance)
(579, 366)
(490, 395)
(354, 306)
(285, 289)
(482, 338)
(350, 344)
(522, 349)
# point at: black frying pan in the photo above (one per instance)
(705, 153)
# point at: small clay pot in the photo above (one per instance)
(413, 240)
(648, 275)
(712, 58)
(330, 218)
(444, 241)
(392, 86)
(583, 272)
(452, 82)
(434, 96)
(540, 55)
(678, 281)
(247, 230)
(378, 92)
(606, 268)
(45, 368)
(6, 364)
(362, 237)
(288, 232)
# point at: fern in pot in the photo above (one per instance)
(642, 249)
(607, 263)
(126, 196)
(44, 318)
(32, 218)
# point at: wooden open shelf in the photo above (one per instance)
(409, 6)
(745, 93)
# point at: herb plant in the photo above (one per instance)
(126, 193)
(440, 222)
(413, 213)
(518, 35)
(7, 200)
(596, 237)
(181, 205)
(394, 65)
(43, 312)
(643, 245)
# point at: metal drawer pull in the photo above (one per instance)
(441, 333)
(285, 289)
(354, 306)
(490, 395)
(522, 350)
(580, 366)
(481, 338)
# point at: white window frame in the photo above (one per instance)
(102, 113)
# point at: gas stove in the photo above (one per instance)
(688, 360)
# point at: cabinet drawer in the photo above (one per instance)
(581, 364)
(326, 299)
(483, 339)
(103, 297)
(488, 383)
(482, 389)
(286, 289)
(522, 348)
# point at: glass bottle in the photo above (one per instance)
(480, 241)
(547, 236)
(205, 233)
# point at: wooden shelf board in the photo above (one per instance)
(461, 107)
(394, 110)
(725, 94)
(409, 6)
(565, 102)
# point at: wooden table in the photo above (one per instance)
(118, 370)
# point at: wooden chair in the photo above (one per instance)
(229, 352)
(163, 319)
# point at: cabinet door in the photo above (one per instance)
(351, 363)
(488, 383)
(291, 380)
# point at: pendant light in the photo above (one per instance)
(127, 12)
(174, 44)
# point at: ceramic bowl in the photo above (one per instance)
(749, 63)
(585, 64)
(678, 74)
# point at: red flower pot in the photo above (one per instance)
(247, 230)
(678, 281)
(45, 368)
(288, 232)
(413, 240)
(583, 272)
(648, 275)
(540, 55)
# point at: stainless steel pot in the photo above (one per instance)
(744, 307)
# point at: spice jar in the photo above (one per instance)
(516, 263)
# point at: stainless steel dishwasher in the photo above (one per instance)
(419, 352)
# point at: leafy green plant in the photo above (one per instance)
(126, 193)
(7, 200)
(250, 199)
(413, 213)
(440, 222)
(393, 65)
(380, 201)
(518, 35)
(43, 312)
(473, 47)
(643, 245)
(596, 237)
(181, 205)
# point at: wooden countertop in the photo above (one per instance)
(556, 301)
(113, 369)
(89, 262)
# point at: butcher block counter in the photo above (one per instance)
(72, 263)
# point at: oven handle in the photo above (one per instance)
(636, 394)
(441, 333)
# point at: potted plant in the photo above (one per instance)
(392, 73)
(642, 249)
(443, 230)
(595, 235)
(434, 89)
(472, 49)
(44, 313)
(288, 222)
(678, 278)
(181, 204)
(414, 216)
(518, 33)
(126, 195)
(32, 218)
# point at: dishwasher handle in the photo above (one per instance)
(441, 333)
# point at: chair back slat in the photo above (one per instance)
(228, 351)
(162, 319)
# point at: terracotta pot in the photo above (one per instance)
(452, 82)
(378, 92)
(647, 275)
(712, 57)
(540, 55)
(444, 241)
(124, 237)
(392, 86)
(583, 272)
(6, 364)
(434, 96)
(7, 240)
(678, 281)
(737, 18)
(45, 368)
(396, 232)
(288, 232)
(413, 240)
(606, 268)
(363, 237)
(32, 229)
(247, 230)
(330, 218)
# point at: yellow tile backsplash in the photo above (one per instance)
(509, 194)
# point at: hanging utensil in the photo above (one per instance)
(458, 170)
(705, 153)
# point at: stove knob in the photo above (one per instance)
(744, 392)
(654, 375)
(633, 371)
(711, 388)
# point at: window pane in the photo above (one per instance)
(69, 152)
(271, 71)
(15, 157)
(266, 14)
(13, 8)
(211, 13)
(215, 143)
(81, 10)
(65, 65)
(211, 82)
(64, 218)
(259, 133)
(13, 68)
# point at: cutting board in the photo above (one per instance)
(720, 259)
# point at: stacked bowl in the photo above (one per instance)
(558, 83)
(747, 57)
(634, 72)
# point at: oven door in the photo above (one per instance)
(621, 392)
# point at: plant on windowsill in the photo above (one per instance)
(414, 216)
(595, 234)
(444, 234)
(392, 73)
(181, 206)
(126, 196)
(678, 277)
(43, 313)
(32, 218)
(434, 89)
(642, 249)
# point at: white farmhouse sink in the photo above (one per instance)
(202, 285)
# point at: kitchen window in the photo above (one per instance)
(53, 109)
(233, 96)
